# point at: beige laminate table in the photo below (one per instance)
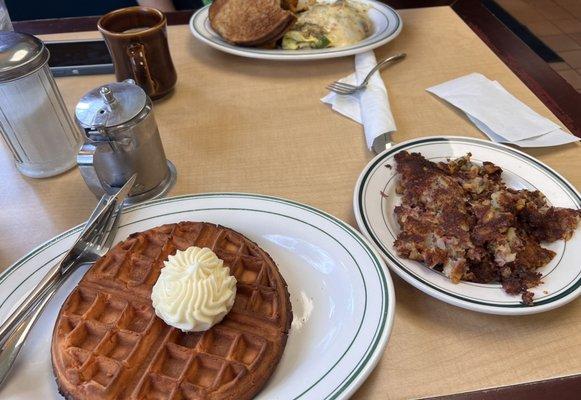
(235, 124)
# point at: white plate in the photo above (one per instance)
(387, 25)
(375, 217)
(341, 292)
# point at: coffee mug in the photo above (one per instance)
(137, 40)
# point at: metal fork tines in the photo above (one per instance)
(93, 242)
(14, 341)
(343, 88)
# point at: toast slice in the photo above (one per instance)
(250, 23)
(290, 5)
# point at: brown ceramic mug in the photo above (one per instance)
(137, 40)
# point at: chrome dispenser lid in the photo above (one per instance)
(110, 105)
(20, 55)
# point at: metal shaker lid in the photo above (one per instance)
(20, 55)
(110, 105)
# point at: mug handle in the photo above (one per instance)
(85, 162)
(136, 53)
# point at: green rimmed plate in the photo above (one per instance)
(387, 25)
(375, 217)
(341, 293)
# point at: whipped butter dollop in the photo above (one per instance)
(194, 290)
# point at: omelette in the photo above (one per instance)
(339, 24)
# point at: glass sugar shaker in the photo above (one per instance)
(5, 23)
(34, 122)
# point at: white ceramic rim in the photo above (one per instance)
(393, 261)
(378, 39)
(375, 349)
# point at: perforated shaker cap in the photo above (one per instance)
(110, 105)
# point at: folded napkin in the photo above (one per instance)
(500, 115)
(369, 107)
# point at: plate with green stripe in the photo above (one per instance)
(375, 199)
(341, 292)
(387, 25)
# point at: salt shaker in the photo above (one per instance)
(34, 121)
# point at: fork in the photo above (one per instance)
(102, 225)
(346, 88)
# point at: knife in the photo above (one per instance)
(94, 240)
(107, 211)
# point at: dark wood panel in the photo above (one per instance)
(79, 24)
(567, 388)
(560, 97)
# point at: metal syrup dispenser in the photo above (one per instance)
(121, 139)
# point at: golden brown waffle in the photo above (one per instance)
(109, 344)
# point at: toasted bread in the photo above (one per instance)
(250, 23)
(290, 5)
(269, 45)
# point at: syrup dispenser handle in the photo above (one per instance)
(85, 161)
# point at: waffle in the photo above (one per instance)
(109, 344)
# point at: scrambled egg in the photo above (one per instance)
(341, 23)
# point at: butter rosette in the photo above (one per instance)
(194, 290)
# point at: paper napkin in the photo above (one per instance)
(500, 115)
(369, 107)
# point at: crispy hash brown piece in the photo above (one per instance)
(459, 218)
(545, 223)
(433, 216)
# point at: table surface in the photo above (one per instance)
(235, 124)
